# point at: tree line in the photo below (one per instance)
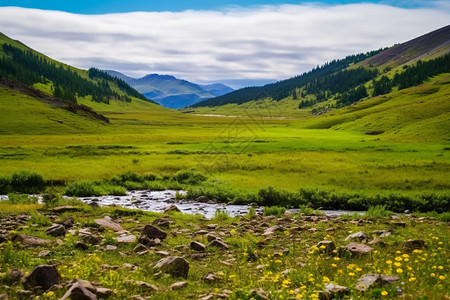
(30, 68)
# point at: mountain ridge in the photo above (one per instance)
(171, 92)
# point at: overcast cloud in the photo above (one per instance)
(238, 46)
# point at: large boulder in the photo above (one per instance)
(176, 266)
(43, 276)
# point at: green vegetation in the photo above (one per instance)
(274, 211)
(288, 264)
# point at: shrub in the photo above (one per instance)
(83, 189)
(22, 199)
(51, 198)
(379, 211)
(5, 184)
(128, 176)
(189, 177)
(27, 182)
(221, 215)
(274, 211)
(150, 177)
(251, 212)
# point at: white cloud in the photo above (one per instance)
(267, 42)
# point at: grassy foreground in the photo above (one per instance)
(285, 264)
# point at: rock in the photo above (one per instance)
(44, 253)
(108, 224)
(357, 249)
(139, 248)
(172, 207)
(162, 253)
(162, 222)
(78, 292)
(14, 275)
(211, 277)
(102, 292)
(399, 224)
(81, 245)
(329, 246)
(197, 246)
(126, 239)
(382, 233)
(110, 248)
(260, 293)
(68, 223)
(44, 276)
(179, 285)
(272, 230)
(211, 226)
(3, 297)
(145, 240)
(137, 297)
(30, 240)
(361, 236)
(88, 237)
(153, 232)
(333, 291)
(3, 238)
(176, 266)
(218, 243)
(145, 286)
(63, 209)
(369, 280)
(202, 199)
(411, 245)
(211, 237)
(56, 230)
(377, 241)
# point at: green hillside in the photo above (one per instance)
(18, 62)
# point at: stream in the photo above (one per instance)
(157, 201)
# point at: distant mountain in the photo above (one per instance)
(343, 82)
(171, 92)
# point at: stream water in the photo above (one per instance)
(157, 201)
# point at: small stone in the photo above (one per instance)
(149, 242)
(218, 243)
(78, 292)
(126, 239)
(44, 276)
(172, 207)
(81, 245)
(411, 245)
(197, 246)
(108, 224)
(162, 222)
(3, 297)
(272, 230)
(361, 236)
(44, 253)
(211, 278)
(176, 266)
(211, 237)
(56, 230)
(329, 246)
(14, 275)
(110, 248)
(153, 232)
(30, 240)
(179, 285)
(369, 280)
(63, 209)
(211, 226)
(68, 223)
(139, 248)
(162, 253)
(146, 286)
(102, 292)
(357, 249)
(333, 291)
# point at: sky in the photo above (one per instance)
(239, 43)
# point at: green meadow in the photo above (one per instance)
(375, 146)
